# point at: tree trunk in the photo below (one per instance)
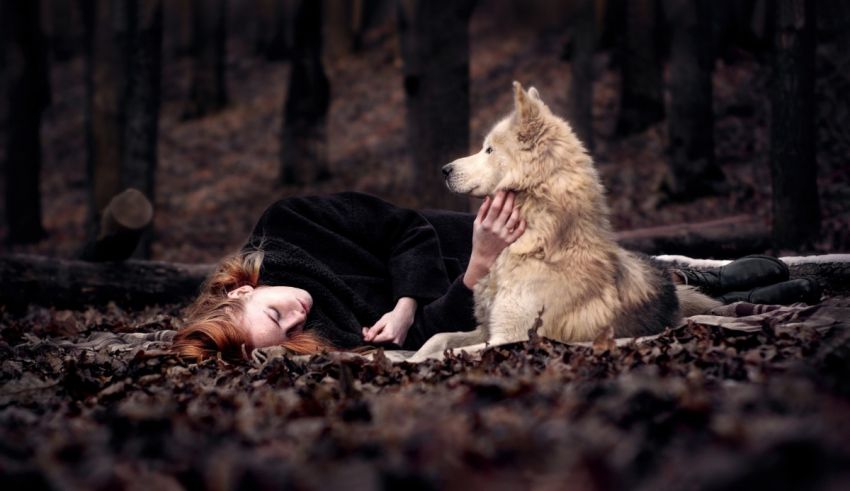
(832, 107)
(4, 85)
(259, 29)
(123, 92)
(581, 85)
(60, 31)
(124, 221)
(303, 154)
(435, 48)
(642, 103)
(209, 92)
(343, 26)
(278, 40)
(28, 90)
(106, 83)
(734, 28)
(339, 34)
(143, 99)
(177, 27)
(612, 23)
(796, 211)
(692, 169)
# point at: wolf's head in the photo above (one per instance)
(522, 152)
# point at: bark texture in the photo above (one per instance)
(734, 236)
(304, 153)
(692, 169)
(123, 92)
(796, 208)
(435, 49)
(143, 100)
(209, 46)
(28, 92)
(28, 279)
(106, 113)
(343, 26)
(642, 103)
(581, 85)
(275, 35)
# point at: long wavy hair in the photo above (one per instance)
(213, 319)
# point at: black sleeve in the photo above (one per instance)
(452, 312)
(401, 238)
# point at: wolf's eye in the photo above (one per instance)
(489, 150)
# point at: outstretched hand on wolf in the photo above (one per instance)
(497, 225)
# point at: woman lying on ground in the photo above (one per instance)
(349, 270)
(344, 270)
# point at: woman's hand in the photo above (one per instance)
(497, 225)
(394, 325)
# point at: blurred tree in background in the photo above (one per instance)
(581, 85)
(641, 102)
(209, 49)
(690, 123)
(796, 211)
(435, 49)
(343, 26)
(58, 19)
(303, 147)
(123, 92)
(276, 27)
(28, 93)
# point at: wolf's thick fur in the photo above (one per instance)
(567, 264)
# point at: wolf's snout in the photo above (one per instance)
(447, 170)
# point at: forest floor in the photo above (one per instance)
(698, 407)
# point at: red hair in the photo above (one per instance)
(213, 319)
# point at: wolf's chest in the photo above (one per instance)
(488, 287)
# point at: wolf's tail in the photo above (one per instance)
(692, 302)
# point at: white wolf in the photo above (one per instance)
(567, 264)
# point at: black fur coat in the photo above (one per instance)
(357, 255)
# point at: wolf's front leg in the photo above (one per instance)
(434, 347)
(513, 313)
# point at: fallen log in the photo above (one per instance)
(733, 236)
(28, 279)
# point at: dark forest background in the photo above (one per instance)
(727, 112)
(719, 127)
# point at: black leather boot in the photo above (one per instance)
(805, 290)
(740, 275)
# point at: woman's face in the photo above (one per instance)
(271, 312)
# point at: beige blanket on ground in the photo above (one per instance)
(739, 316)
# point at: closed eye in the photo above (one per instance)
(274, 315)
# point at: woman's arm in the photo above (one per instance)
(394, 325)
(497, 225)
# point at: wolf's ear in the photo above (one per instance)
(532, 92)
(526, 107)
